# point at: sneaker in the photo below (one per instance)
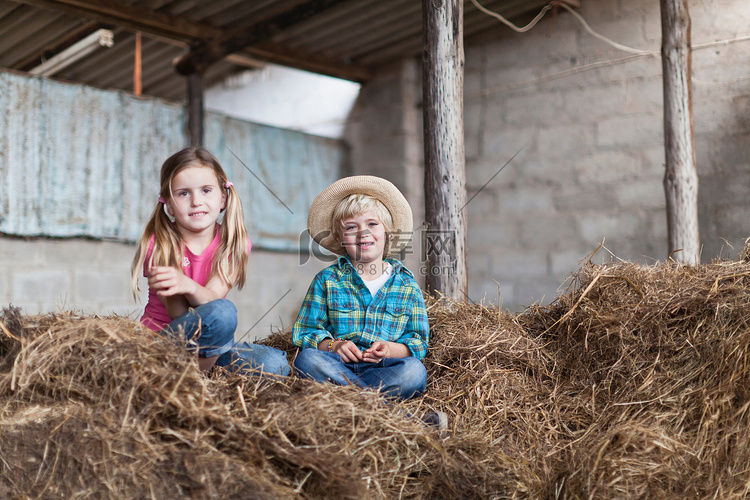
(438, 420)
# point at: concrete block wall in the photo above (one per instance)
(385, 135)
(585, 122)
(93, 277)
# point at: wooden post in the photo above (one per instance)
(445, 172)
(137, 65)
(680, 177)
(195, 108)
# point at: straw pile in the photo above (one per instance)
(635, 383)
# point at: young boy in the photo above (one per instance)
(363, 320)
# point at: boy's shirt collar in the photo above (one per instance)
(398, 267)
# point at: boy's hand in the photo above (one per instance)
(377, 351)
(167, 281)
(348, 351)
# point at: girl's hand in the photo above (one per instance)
(167, 281)
(348, 351)
(377, 351)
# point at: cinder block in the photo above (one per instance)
(41, 285)
(19, 253)
(595, 228)
(607, 167)
(490, 292)
(101, 286)
(549, 41)
(645, 95)
(631, 130)
(537, 168)
(493, 172)
(5, 290)
(479, 265)
(540, 108)
(495, 235)
(566, 141)
(119, 253)
(481, 204)
(566, 263)
(529, 265)
(527, 201)
(549, 232)
(537, 291)
(628, 32)
(383, 152)
(502, 82)
(70, 252)
(591, 103)
(575, 199)
(639, 194)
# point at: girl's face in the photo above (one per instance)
(197, 200)
(364, 238)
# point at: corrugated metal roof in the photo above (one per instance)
(349, 38)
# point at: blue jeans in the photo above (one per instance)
(244, 358)
(210, 329)
(395, 377)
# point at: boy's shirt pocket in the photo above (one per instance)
(344, 313)
(394, 319)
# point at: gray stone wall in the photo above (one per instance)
(93, 277)
(584, 120)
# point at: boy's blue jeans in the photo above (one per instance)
(210, 328)
(395, 377)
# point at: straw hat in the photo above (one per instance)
(321, 211)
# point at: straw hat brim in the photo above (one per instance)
(319, 219)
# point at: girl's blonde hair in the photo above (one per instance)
(230, 260)
(357, 204)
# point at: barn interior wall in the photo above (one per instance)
(89, 276)
(94, 182)
(585, 123)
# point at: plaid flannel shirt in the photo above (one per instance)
(339, 305)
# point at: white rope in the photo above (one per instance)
(603, 38)
(510, 24)
(575, 14)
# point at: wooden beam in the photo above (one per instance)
(278, 54)
(195, 108)
(132, 17)
(175, 29)
(202, 56)
(680, 176)
(59, 44)
(445, 168)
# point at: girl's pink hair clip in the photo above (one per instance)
(162, 200)
(228, 184)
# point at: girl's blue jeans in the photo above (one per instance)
(395, 377)
(210, 327)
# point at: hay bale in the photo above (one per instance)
(102, 407)
(652, 373)
(634, 383)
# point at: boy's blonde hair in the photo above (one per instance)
(230, 260)
(357, 204)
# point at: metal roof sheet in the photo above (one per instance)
(349, 38)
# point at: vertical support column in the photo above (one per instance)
(445, 168)
(137, 65)
(195, 108)
(680, 177)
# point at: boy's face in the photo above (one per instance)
(364, 238)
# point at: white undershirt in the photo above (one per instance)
(375, 285)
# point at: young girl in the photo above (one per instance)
(193, 251)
